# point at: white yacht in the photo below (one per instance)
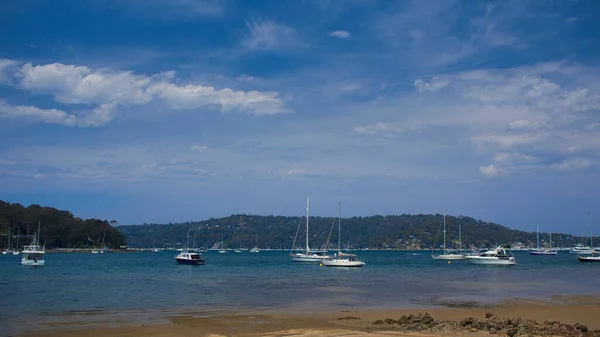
(542, 251)
(33, 254)
(308, 255)
(342, 259)
(581, 250)
(448, 255)
(497, 256)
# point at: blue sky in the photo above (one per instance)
(176, 110)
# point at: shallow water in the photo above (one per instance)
(83, 285)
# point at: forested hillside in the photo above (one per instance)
(58, 228)
(405, 231)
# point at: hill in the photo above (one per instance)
(58, 228)
(404, 231)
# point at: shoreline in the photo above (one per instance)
(193, 322)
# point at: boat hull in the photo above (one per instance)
(33, 263)
(491, 261)
(588, 258)
(449, 257)
(543, 252)
(309, 258)
(193, 262)
(342, 263)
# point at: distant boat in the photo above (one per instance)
(342, 259)
(447, 255)
(8, 244)
(222, 250)
(541, 251)
(239, 248)
(187, 257)
(255, 249)
(33, 254)
(95, 251)
(497, 256)
(595, 256)
(308, 255)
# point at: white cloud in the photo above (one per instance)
(384, 129)
(572, 164)
(52, 116)
(268, 35)
(433, 85)
(295, 172)
(105, 91)
(525, 124)
(513, 158)
(5, 65)
(491, 171)
(199, 148)
(342, 34)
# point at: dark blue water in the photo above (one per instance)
(72, 283)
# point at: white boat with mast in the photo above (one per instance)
(498, 256)
(541, 251)
(255, 249)
(308, 255)
(8, 243)
(33, 254)
(188, 257)
(449, 255)
(222, 250)
(593, 256)
(342, 259)
(16, 251)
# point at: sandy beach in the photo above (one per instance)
(578, 316)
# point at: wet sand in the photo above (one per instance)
(581, 309)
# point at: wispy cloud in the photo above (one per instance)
(491, 171)
(342, 34)
(106, 90)
(269, 35)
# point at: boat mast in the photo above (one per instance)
(307, 249)
(339, 228)
(459, 240)
(444, 234)
(537, 237)
(591, 236)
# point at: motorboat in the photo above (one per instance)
(188, 257)
(33, 254)
(497, 256)
(580, 249)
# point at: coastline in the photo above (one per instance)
(567, 310)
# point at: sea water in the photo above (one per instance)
(151, 284)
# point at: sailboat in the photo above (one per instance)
(255, 249)
(222, 250)
(239, 248)
(188, 257)
(33, 254)
(8, 244)
(342, 259)
(16, 251)
(538, 250)
(594, 256)
(447, 255)
(308, 255)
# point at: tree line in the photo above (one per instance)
(59, 228)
